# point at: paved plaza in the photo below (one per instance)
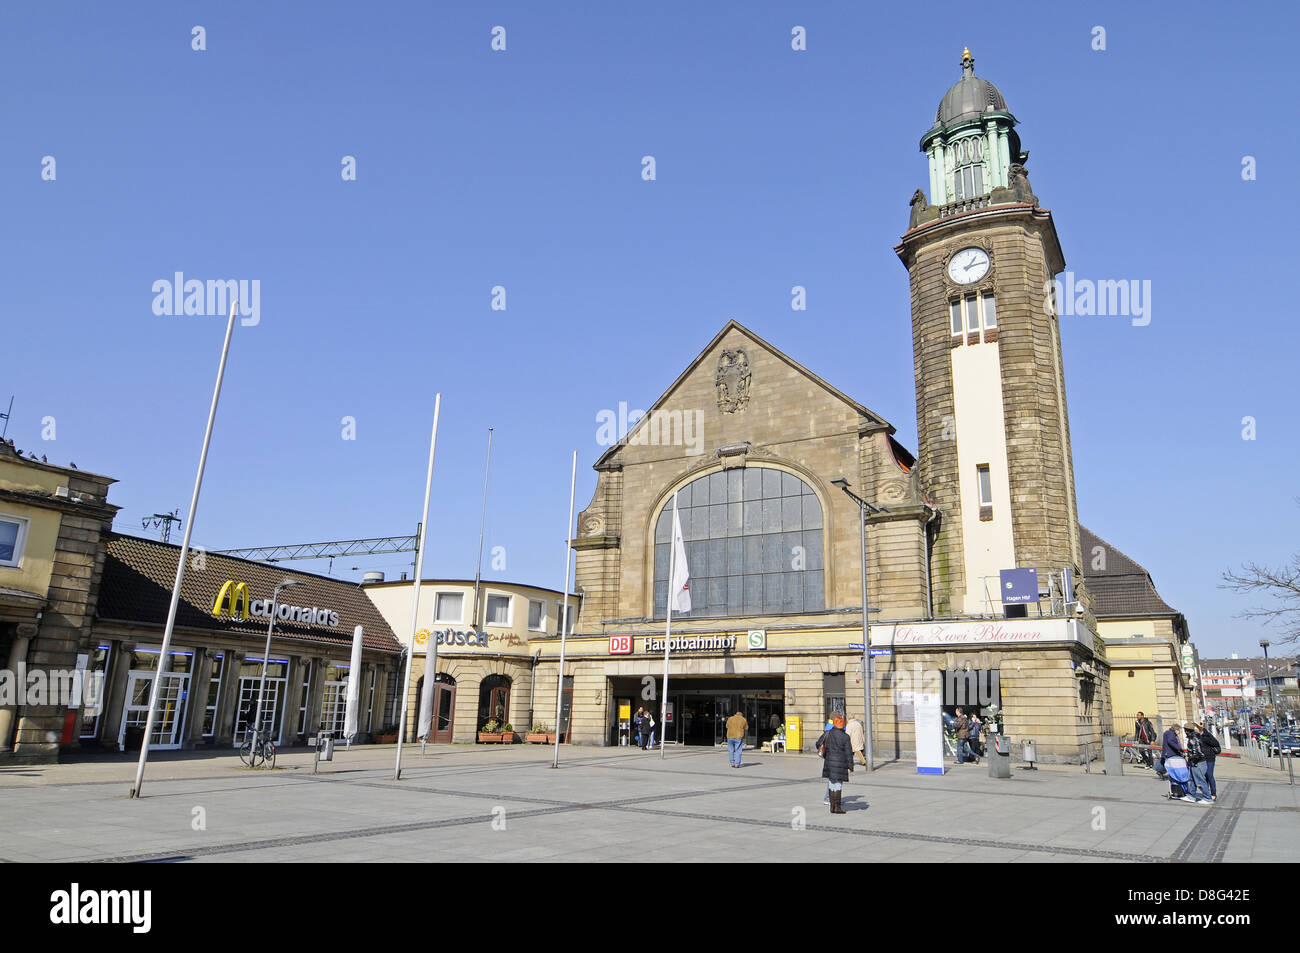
(470, 803)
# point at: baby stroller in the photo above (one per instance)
(1179, 777)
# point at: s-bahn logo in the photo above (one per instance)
(234, 599)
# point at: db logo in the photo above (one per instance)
(620, 645)
(422, 637)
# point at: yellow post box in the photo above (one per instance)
(793, 733)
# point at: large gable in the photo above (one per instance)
(716, 380)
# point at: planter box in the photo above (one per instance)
(507, 737)
(540, 739)
(487, 738)
(386, 739)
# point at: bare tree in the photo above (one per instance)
(1282, 585)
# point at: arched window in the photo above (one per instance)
(494, 700)
(968, 163)
(753, 544)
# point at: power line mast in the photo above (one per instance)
(163, 520)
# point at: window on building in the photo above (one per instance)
(13, 539)
(536, 615)
(92, 699)
(449, 607)
(753, 545)
(986, 485)
(214, 695)
(968, 162)
(972, 312)
(498, 610)
(559, 611)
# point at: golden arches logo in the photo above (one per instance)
(232, 596)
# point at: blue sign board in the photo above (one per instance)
(1019, 585)
(857, 645)
(882, 651)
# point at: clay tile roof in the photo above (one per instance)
(1122, 588)
(137, 587)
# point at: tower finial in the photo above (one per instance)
(967, 62)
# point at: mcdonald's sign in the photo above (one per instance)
(232, 596)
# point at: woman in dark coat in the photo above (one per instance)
(838, 762)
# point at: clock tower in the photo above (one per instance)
(993, 431)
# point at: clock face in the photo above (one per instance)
(968, 265)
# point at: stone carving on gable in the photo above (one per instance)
(593, 525)
(732, 381)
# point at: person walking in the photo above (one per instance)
(737, 728)
(975, 727)
(837, 754)
(649, 730)
(1145, 734)
(1200, 788)
(1210, 747)
(963, 738)
(858, 739)
(638, 723)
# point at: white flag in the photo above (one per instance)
(679, 588)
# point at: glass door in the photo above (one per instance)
(169, 718)
(723, 708)
(246, 710)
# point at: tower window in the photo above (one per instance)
(968, 162)
(972, 312)
(985, 484)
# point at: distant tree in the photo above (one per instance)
(1282, 585)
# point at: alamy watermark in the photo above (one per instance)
(66, 688)
(211, 298)
(661, 428)
(1084, 297)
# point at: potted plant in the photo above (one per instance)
(540, 734)
(386, 735)
(507, 734)
(489, 732)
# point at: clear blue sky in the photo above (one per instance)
(522, 169)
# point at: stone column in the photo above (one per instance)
(197, 702)
(110, 722)
(17, 656)
(289, 710)
(224, 730)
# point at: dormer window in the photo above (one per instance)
(968, 162)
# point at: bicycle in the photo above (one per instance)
(256, 752)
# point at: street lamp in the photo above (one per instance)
(1272, 703)
(863, 508)
(261, 686)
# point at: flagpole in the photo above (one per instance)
(415, 596)
(482, 523)
(564, 613)
(180, 564)
(668, 636)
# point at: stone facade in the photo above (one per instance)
(49, 599)
(793, 422)
(1025, 255)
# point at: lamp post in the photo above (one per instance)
(863, 508)
(1272, 703)
(261, 686)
